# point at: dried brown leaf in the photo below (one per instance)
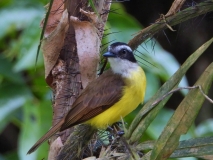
(55, 148)
(88, 45)
(52, 44)
(176, 5)
(54, 17)
(90, 158)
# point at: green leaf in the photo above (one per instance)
(43, 29)
(158, 124)
(36, 122)
(6, 71)
(182, 118)
(196, 147)
(205, 128)
(146, 156)
(10, 156)
(12, 98)
(5, 3)
(124, 26)
(153, 83)
(30, 128)
(26, 47)
(17, 18)
(143, 119)
(188, 148)
(121, 24)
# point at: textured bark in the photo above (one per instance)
(92, 21)
(65, 72)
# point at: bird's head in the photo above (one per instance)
(121, 58)
(120, 50)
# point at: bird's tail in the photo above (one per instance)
(49, 134)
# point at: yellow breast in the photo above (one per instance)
(133, 95)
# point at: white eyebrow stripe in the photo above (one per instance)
(117, 48)
(109, 47)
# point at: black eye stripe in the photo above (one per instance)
(122, 50)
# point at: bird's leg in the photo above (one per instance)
(110, 135)
(118, 130)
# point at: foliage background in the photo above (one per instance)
(25, 99)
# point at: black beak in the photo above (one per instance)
(109, 54)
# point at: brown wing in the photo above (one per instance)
(100, 94)
(96, 98)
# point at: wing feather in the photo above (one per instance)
(100, 94)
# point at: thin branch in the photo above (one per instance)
(176, 6)
(181, 88)
(182, 16)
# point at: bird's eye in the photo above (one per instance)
(124, 51)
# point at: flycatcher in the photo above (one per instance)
(113, 95)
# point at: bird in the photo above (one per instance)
(107, 99)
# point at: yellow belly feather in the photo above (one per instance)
(133, 92)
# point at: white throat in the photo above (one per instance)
(122, 66)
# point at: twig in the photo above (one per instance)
(184, 15)
(165, 21)
(181, 88)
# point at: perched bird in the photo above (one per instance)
(107, 99)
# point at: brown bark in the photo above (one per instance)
(70, 27)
